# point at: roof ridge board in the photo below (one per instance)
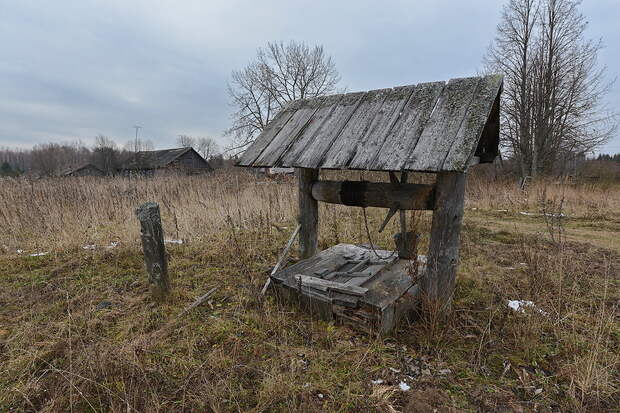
(303, 140)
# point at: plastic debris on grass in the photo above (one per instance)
(173, 241)
(520, 306)
(404, 386)
(39, 254)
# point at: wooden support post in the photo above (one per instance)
(154, 249)
(440, 278)
(308, 212)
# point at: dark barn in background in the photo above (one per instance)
(87, 169)
(180, 160)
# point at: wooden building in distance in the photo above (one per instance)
(87, 169)
(441, 128)
(180, 160)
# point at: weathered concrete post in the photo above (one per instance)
(308, 212)
(154, 249)
(439, 281)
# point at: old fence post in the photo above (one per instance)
(154, 249)
(308, 212)
(440, 278)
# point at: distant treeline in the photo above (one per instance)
(52, 159)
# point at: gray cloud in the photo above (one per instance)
(75, 69)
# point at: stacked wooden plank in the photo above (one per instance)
(355, 285)
(429, 127)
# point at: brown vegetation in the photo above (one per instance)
(79, 332)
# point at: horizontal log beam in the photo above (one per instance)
(375, 194)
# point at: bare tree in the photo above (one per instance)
(105, 154)
(207, 147)
(553, 91)
(139, 145)
(186, 141)
(280, 73)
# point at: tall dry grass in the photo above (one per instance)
(68, 212)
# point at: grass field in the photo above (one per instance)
(79, 332)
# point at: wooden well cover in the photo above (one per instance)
(428, 127)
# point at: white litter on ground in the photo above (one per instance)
(378, 381)
(533, 214)
(113, 244)
(520, 305)
(404, 386)
(89, 247)
(20, 251)
(38, 254)
(173, 241)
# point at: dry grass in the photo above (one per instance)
(59, 352)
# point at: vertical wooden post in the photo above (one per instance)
(308, 212)
(440, 278)
(154, 249)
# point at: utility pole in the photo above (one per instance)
(135, 147)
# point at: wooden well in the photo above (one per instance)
(441, 128)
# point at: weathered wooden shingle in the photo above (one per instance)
(429, 127)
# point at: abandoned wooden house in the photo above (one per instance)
(180, 160)
(87, 169)
(441, 128)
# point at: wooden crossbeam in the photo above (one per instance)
(397, 196)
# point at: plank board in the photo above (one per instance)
(270, 132)
(429, 127)
(405, 134)
(372, 141)
(321, 126)
(289, 132)
(443, 125)
(475, 119)
(342, 150)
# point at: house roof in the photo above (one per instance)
(80, 167)
(155, 159)
(428, 127)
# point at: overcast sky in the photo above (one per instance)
(74, 69)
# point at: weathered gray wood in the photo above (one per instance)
(268, 134)
(289, 132)
(405, 133)
(438, 283)
(281, 259)
(442, 126)
(326, 285)
(473, 123)
(375, 194)
(308, 212)
(155, 258)
(390, 111)
(324, 127)
(343, 149)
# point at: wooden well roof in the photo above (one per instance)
(428, 127)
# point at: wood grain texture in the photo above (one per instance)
(405, 133)
(289, 132)
(443, 125)
(370, 144)
(308, 212)
(429, 127)
(155, 258)
(320, 127)
(438, 283)
(343, 149)
(268, 134)
(375, 194)
(466, 140)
